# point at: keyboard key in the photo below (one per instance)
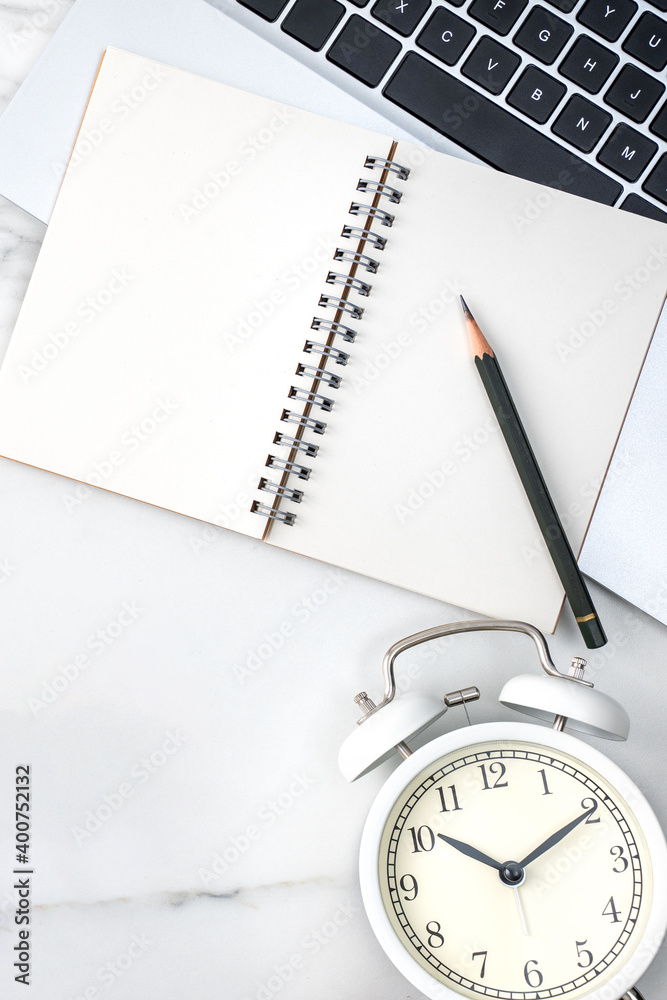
(270, 10)
(565, 5)
(581, 123)
(500, 15)
(313, 21)
(648, 41)
(656, 183)
(401, 15)
(495, 135)
(364, 51)
(608, 18)
(627, 153)
(588, 64)
(446, 36)
(633, 203)
(491, 65)
(660, 4)
(634, 93)
(536, 94)
(659, 123)
(543, 34)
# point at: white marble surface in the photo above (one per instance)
(181, 693)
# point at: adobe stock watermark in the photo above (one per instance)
(462, 452)
(86, 312)
(31, 26)
(418, 322)
(301, 612)
(140, 773)
(107, 975)
(92, 136)
(622, 292)
(217, 181)
(264, 306)
(132, 440)
(619, 466)
(237, 846)
(311, 944)
(97, 643)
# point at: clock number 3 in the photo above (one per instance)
(617, 854)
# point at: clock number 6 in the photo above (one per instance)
(435, 938)
(409, 888)
(533, 977)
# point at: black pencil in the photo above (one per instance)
(534, 485)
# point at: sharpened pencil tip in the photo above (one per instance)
(478, 342)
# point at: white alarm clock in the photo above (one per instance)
(507, 859)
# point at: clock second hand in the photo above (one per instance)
(523, 919)
(477, 855)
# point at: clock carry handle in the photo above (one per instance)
(469, 626)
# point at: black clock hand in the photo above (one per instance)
(472, 852)
(556, 837)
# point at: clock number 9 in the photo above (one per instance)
(533, 977)
(435, 938)
(622, 860)
(406, 887)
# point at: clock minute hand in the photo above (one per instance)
(472, 852)
(556, 837)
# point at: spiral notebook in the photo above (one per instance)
(249, 314)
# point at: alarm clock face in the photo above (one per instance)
(510, 868)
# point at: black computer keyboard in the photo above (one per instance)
(570, 93)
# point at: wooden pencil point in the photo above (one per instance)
(478, 342)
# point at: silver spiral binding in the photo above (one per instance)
(362, 287)
(296, 444)
(364, 236)
(375, 187)
(346, 332)
(316, 426)
(385, 218)
(273, 513)
(319, 374)
(302, 471)
(361, 259)
(296, 496)
(402, 173)
(314, 398)
(340, 357)
(341, 305)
